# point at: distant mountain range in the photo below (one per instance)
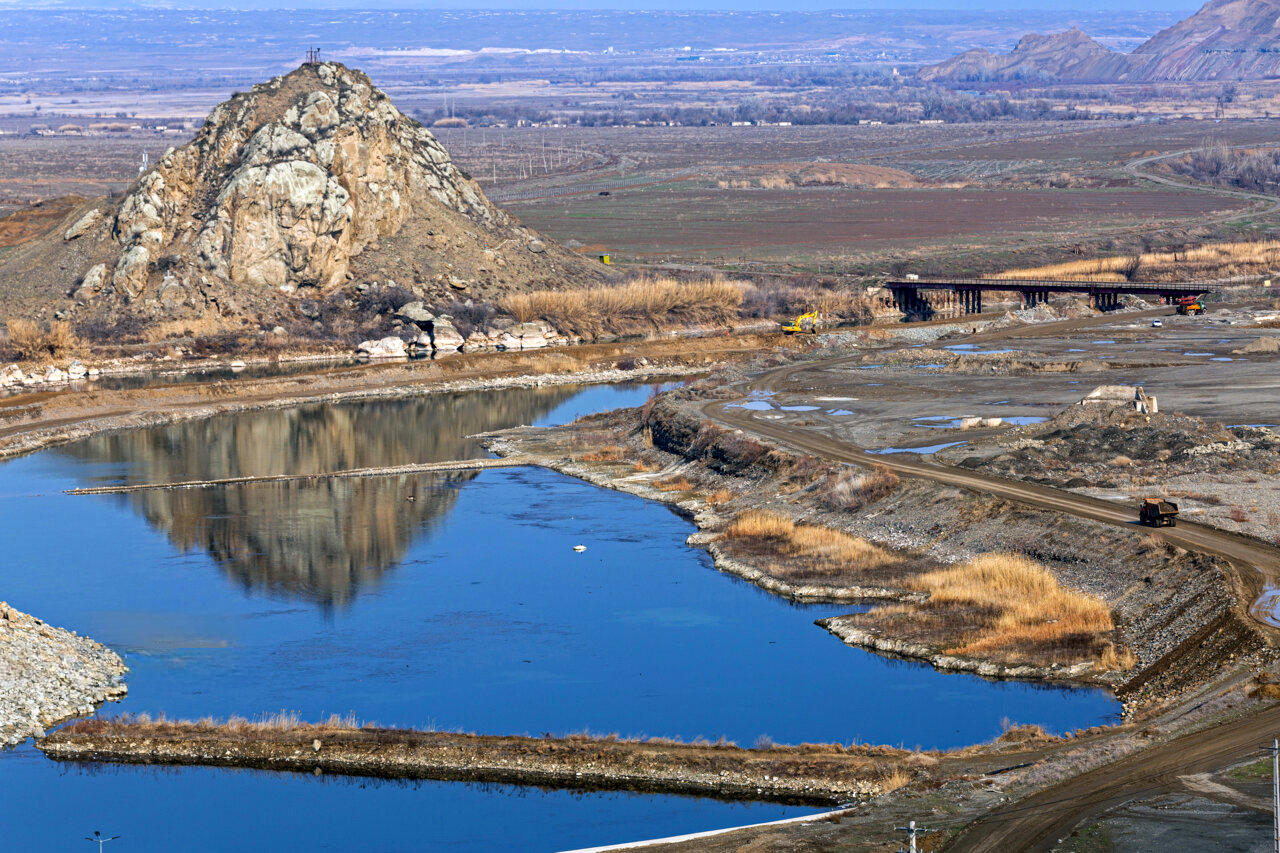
(1225, 40)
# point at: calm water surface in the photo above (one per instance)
(453, 601)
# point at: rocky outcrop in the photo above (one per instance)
(84, 225)
(297, 187)
(48, 675)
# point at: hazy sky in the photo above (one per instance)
(753, 5)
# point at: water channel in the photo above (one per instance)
(453, 601)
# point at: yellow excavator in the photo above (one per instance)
(803, 323)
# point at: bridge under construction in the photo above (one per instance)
(964, 295)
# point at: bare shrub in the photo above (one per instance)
(852, 489)
(28, 340)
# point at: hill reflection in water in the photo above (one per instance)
(320, 541)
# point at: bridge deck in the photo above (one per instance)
(1050, 285)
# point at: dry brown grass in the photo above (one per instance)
(674, 484)
(832, 549)
(612, 453)
(28, 340)
(1019, 602)
(853, 488)
(642, 467)
(1216, 259)
(720, 497)
(656, 302)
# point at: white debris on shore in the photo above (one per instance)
(48, 675)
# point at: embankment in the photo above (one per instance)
(48, 675)
(817, 774)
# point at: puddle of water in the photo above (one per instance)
(1076, 349)
(932, 366)
(799, 408)
(1100, 342)
(448, 600)
(1197, 353)
(1023, 420)
(753, 405)
(869, 366)
(933, 448)
(836, 399)
(1221, 358)
(838, 412)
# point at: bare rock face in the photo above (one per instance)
(284, 187)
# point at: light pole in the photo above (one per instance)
(100, 839)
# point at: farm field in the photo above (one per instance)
(683, 220)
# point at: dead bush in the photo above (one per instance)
(853, 488)
(29, 341)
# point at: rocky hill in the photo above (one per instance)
(308, 185)
(1224, 40)
(1070, 55)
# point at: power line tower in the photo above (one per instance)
(313, 56)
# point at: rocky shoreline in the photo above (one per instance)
(49, 675)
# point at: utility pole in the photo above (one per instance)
(913, 833)
(1274, 749)
(100, 839)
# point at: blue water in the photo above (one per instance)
(428, 600)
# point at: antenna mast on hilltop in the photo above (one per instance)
(313, 56)
(143, 167)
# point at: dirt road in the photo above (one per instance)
(1038, 821)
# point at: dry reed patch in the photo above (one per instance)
(28, 340)
(1219, 259)
(1014, 605)
(655, 302)
(810, 551)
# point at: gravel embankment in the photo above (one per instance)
(48, 675)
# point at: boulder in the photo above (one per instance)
(84, 225)
(506, 340)
(532, 335)
(92, 283)
(54, 374)
(388, 347)
(11, 375)
(76, 370)
(421, 345)
(416, 312)
(480, 340)
(445, 336)
(535, 246)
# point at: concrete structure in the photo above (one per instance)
(965, 294)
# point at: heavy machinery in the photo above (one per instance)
(803, 323)
(1158, 512)
(1191, 305)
